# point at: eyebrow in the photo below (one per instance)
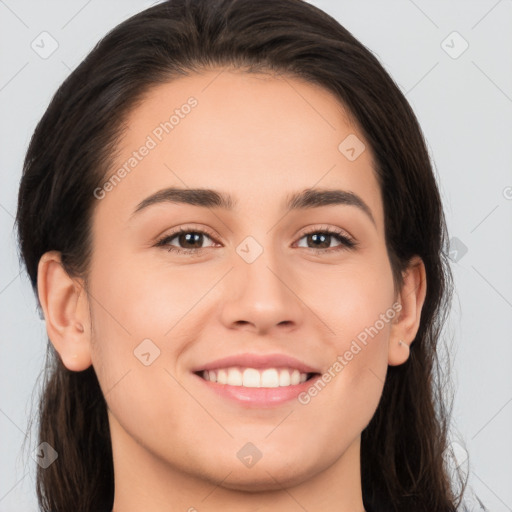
(207, 198)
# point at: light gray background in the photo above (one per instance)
(464, 106)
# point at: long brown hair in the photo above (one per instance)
(403, 447)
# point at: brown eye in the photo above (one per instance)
(321, 240)
(188, 241)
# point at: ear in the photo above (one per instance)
(406, 324)
(66, 312)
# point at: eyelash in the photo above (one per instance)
(346, 242)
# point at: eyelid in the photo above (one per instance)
(187, 227)
(319, 228)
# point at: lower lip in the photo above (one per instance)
(259, 397)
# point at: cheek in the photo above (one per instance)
(357, 304)
(143, 313)
(130, 315)
(352, 298)
(146, 299)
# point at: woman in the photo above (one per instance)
(231, 221)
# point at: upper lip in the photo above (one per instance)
(258, 361)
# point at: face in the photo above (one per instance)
(273, 284)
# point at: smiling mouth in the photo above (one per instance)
(256, 378)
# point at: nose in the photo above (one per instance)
(260, 297)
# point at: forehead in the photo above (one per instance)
(258, 137)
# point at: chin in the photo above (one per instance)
(264, 477)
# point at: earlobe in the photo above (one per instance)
(64, 304)
(406, 324)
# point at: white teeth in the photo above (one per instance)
(222, 377)
(235, 377)
(253, 378)
(295, 378)
(284, 378)
(269, 379)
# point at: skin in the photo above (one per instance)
(175, 443)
